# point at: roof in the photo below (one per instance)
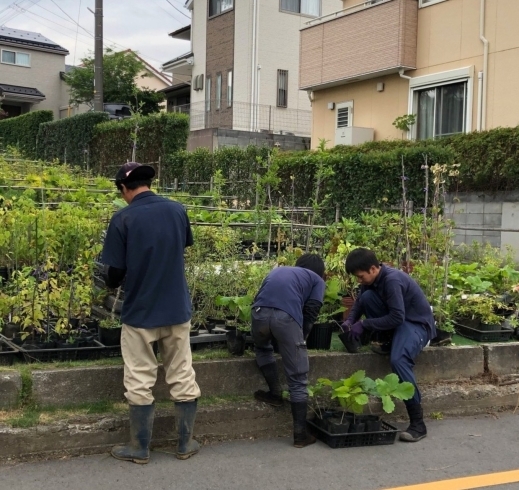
(164, 77)
(17, 90)
(30, 39)
(185, 56)
(184, 33)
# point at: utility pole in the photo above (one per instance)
(98, 62)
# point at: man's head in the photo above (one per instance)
(311, 262)
(133, 178)
(364, 265)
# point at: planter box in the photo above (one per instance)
(384, 437)
(484, 335)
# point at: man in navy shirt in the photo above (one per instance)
(390, 300)
(144, 246)
(285, 309)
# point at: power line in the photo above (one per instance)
(77, 32)
(178, 10)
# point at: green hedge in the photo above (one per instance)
(22, 131)
(358, 177)
(69, 139)
(158, 136)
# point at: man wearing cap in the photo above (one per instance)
(144, 246)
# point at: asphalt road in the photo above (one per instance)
(454, 448)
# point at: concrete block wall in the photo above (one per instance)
(483, 211)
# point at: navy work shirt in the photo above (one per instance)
(147, 239)
(288, 289)
(403, 298)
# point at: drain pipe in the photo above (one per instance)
(253, 65)
(401, 73)
(480, 100)
(482, 122)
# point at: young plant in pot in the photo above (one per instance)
(240, 309)
(353, 394)
(478, 312)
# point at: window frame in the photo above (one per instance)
(428, 3)
(230, 87)
(16, 53)
(208, 81)
(218, 92)
(436, 80)
(281, 9)
(211, 16)
(279, 88)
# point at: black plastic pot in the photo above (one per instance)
(235, 342)
(373, 423)
(4, 274)
(352, 346)
(442, 338)
(110, 336)
(357, 427)
(10, 330)
(320, 337)
(335, 426)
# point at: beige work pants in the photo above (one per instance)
(140, 363)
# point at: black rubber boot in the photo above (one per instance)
(185, 413)
(301, 436)
(416, 430)
(141, 425)
(273, 396)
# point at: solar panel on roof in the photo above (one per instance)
(25, 36)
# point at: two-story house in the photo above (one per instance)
(451, 63)
(30, 67)
(243, 67)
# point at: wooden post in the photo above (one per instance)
(337, 212)
(175, 184)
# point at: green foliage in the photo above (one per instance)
(404, 123)
(69, 140)
(239, 306)
(159, 135)
(120, 72)
(22, 132)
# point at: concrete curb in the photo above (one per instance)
(97, 434)
(10, 389)
(242, 377)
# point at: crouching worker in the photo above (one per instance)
(145, 245)
(285, 309)
(391, 300)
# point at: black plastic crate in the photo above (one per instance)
(336, 441)
(484, 335)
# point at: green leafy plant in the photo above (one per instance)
(404, 123)
(239, 306)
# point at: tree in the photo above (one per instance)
(120, 72)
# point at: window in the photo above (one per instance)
(16, 58)
(441, 111)
(282, 98)
(229, 88)
(218, 91)
(219, 6)
(208, 94)
(305, 7)
(426, 3)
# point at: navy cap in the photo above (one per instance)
(132, 171)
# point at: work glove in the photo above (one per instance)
(345, 326)
(355, 330)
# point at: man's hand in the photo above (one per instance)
(353, 330)
(345, 326)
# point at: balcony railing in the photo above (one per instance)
(370, 39)
(244, 116)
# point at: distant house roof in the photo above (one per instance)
(164, 77)
(17, 90)
(29, 39)
(184, 33)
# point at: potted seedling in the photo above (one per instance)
(240, 308)
(342, 428)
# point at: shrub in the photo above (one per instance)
(69, 140)
(22, 131)
(158, 135)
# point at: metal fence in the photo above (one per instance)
(244, 116)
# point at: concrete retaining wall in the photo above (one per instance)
(10, 389)
(242, 377)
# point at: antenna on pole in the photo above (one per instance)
(98, 61)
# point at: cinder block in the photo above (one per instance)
(493, 207)
(503, 358)
(475, 208)
(492, 220)
(475, 219)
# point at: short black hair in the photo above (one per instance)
(134, 184)
(312, 262)
(361, 260)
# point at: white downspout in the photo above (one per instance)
(410, 134)
(258, 68)
(480, 100)
(482, 123)
(253, 65)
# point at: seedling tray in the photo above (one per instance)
(483, 335)
(386, 436)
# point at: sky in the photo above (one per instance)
(141, 25)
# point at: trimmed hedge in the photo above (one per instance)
(22, 131)
(159, 135)
(69, 139)
(359, 177)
